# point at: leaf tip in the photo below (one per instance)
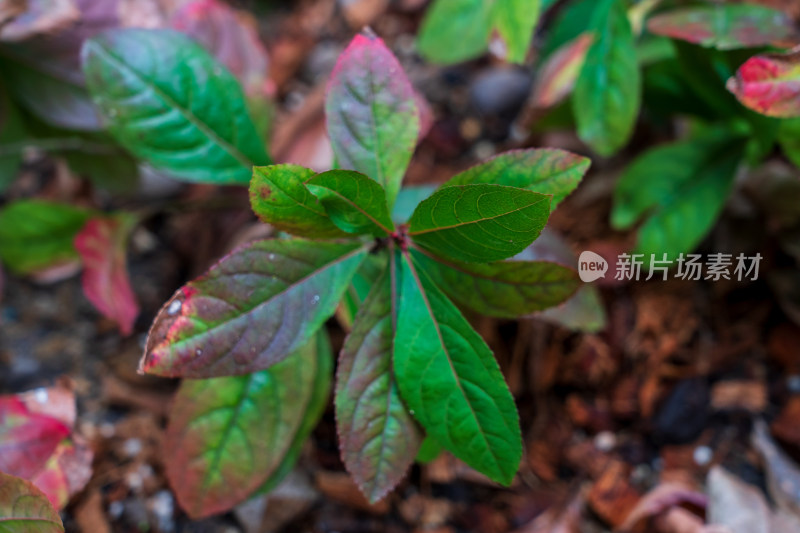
(368, 33)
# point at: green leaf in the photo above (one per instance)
(169, 102)
(320, 392)
(515, 21)
(607, 93)
(354, 202)
(50, 87)
(428, 450)
(479, 223)
(450, 380)
(789, 139)
(25, 509)
(372, 113)
(544, 170)
(35, 235)
(278, 195)
(571, 20)
(377, 435)
(506, 289)
(725, 26)
(455, 30)
(679, 189)
(584, 311)
(227, 436)
(251, 309)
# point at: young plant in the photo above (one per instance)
(249, 332)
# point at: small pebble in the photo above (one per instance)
(132, 447)
(115, 510)
(702, 455)
(605, 441)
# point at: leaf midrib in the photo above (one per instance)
(461, 269)
(185, 113)
(429, 308)
(355, 206)
(290, 286)
(478, 221)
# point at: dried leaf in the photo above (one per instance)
(735, 504)
(783, 475)
(41, 16)
(659, 500)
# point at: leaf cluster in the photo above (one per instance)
(412, 365)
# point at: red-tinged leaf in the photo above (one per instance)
(25, 509)
(378, 436)
(56, 402)
(231, 36)
(41, 16)
(101, 244)
(27, 440)
(10, 9)
(724, 25)
(769, 84)
(250, 310)
(66, 473)
(373, 121)
(228, 436)
(45, 74)
(542, 170)
(558, 73)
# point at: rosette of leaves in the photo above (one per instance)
(247, 332)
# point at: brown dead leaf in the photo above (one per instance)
(340, 487)
(428, 513)
(659, 500)
(785, 426)
(742, 508)
(559, 519)
(360, 13)
(739, 395)
(10, 9)
(612, 497)
(90, 515)
(783, 474)
(41, 17)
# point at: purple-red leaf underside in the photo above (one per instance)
(101, 245)
(250, 310)
(378, 437)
